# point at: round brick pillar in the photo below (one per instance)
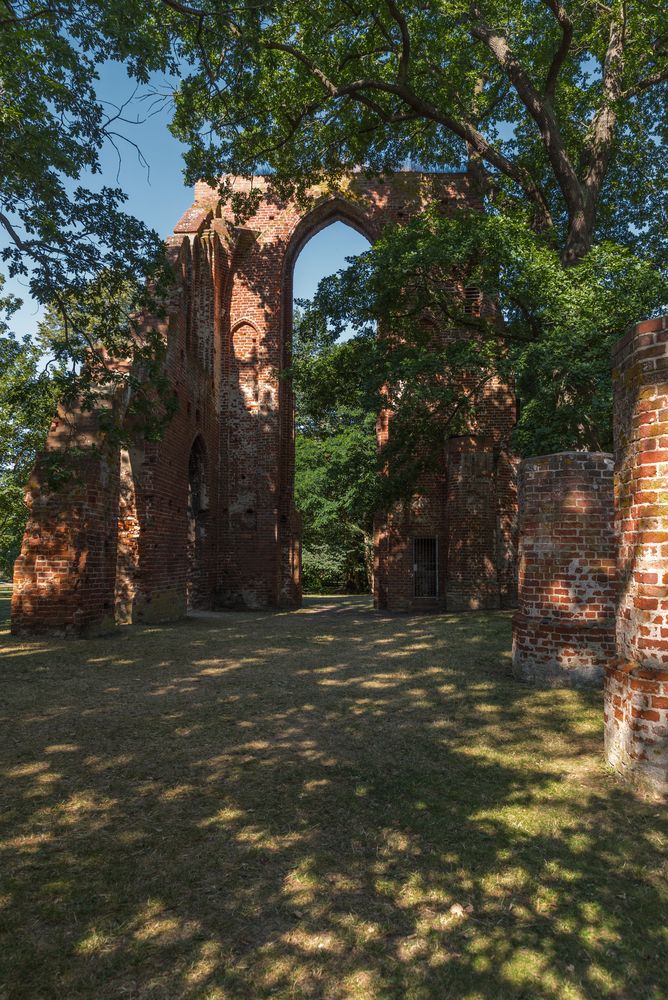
(636, 688)
(563, 630)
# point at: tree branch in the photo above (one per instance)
(566, 25)
(467, 131)
(15, 20)
(462, 129)
(182, 8)
(358, 56)
(601, 133)
(14, 236)
(645, 84)
(404, 59)
(538, 107)
(305, 61)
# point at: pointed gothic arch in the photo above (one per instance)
(241, 548)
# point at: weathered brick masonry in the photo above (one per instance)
(636, 688)
(69, 545)
(206, 517)
(564, 628)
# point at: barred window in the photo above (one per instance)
(425, 566)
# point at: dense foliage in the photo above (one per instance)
(560, 104)
(27, 404)
(559, 111)
(552, 331)
(334, 487)
(336, 469)
(65, 234)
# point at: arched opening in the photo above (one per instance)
(333, 453)
(196, 511)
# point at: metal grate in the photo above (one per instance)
(425, 566)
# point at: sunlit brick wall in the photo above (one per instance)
(563, 630)
(636, 692)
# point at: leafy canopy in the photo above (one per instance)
(66, 234)
(336, 469)
(558, 109)
(552, 332)
(561, 106)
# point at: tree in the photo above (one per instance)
(335, 480)
(555, 339)
(28, 398)
(336, 467)
(562, 106)
(557, 108)
(66, 235)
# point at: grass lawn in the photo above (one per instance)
(331, 804)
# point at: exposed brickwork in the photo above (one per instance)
(563, 631)
(69, 546)
(126, 544)
(394, 535)
(469, 504)
(482, 508)
(636, 702)
(636, 724)
(112, 547)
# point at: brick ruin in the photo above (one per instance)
(593, 575)
(468, 506)
(206, 517)
(636, 683)
(564, 628)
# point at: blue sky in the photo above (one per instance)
(157, 194)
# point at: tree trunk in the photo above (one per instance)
(578, 239)
(368, 560)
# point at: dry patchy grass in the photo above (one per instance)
(330, 804)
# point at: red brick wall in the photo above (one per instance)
(481, 511)
(259, 544)
(64, 577)
(125, 547)
(636, 724)
(112, 545)
(636, 702)
(563, 630)
(127, 541)
(469, 503)
(425, 516)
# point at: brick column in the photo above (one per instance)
(563, 631)
(636, 690)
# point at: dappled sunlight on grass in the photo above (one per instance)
(331, 804)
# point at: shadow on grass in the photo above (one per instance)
(331, 804)
(5, 603)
